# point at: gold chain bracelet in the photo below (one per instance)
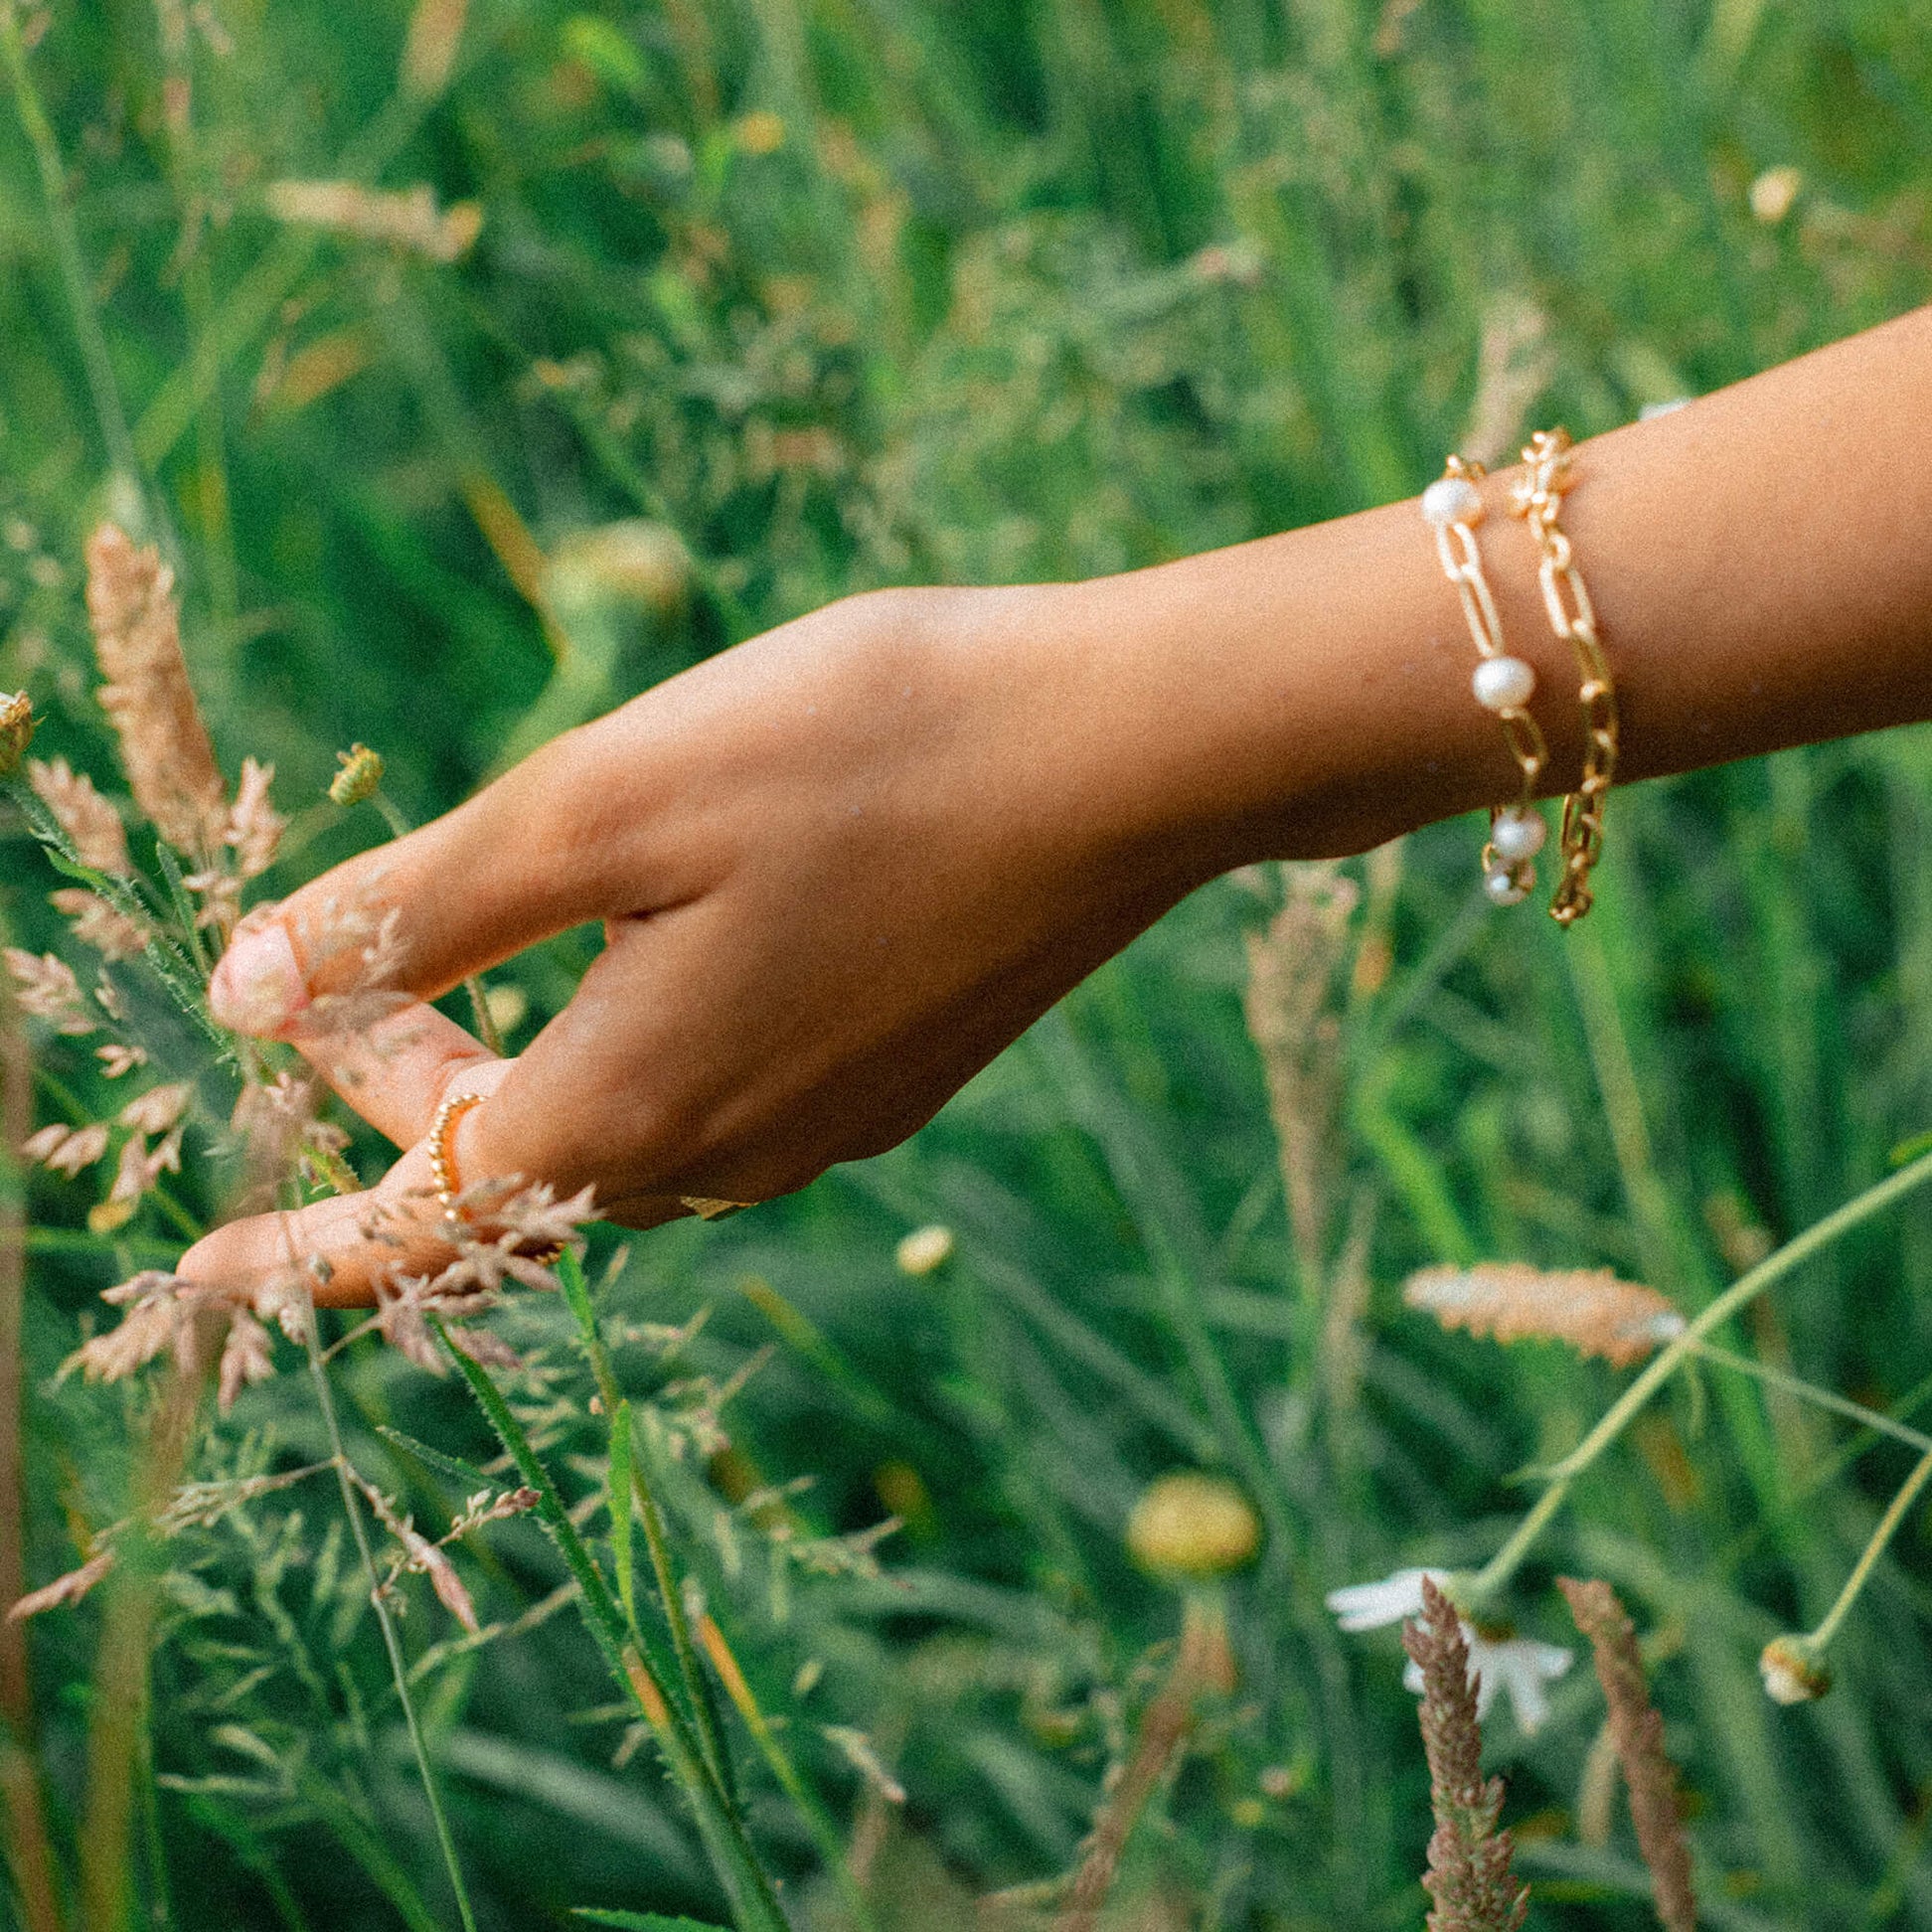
(1452, 506)
(1539, 500)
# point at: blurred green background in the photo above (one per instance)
(708, 313)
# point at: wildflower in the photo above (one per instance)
(405, 218)
(632, 562)
(360, 777)
(1191, 1525)
(1773, 193)
(1638, 1731)
(1469, 1876)
(16, 730)
(156, 1110)
(924, 1250)
(1591, 1310)
(117, 1060)
(70, 1588)
(1794, 1670)
(93, 826)
(1499, 1660)
(1370, 1606)
(112, 933)
(147, 696)
(760, 132)
(67, 1150)
(46, 988)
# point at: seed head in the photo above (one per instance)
(1191, 1525)
(170, 763)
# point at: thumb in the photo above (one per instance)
(414, 916)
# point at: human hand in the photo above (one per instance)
(839, 868)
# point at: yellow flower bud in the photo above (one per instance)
(359, 776)
(1191, 1525)
(925, 1250)
(1794, 1670)
(15, 730)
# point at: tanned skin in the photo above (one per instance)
(843, 864)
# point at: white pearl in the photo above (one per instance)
(1518, 834)
(1509, 884)
(1451, 500)
(1503, 684)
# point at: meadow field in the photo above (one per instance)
(475, 367)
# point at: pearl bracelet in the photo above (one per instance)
(1452, 506)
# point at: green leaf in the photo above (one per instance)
(641, 1921)
(463, 1472)
(1908, 1150)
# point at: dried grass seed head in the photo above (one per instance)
(147, 695)
(1638, 1734)
(91, 822)
(1590, 1309)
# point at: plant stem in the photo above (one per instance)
(576, 1292)
(753, 1903)
(817, 1819)
(93, 339)
(352, 1508)
(1886, 1530)
(1819, 1235)
(1806, 1392)
(30, 1856)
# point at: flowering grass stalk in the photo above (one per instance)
(754, 1905)
(1470, 1875)
(1638, 1735)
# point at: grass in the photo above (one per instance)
(842, 293)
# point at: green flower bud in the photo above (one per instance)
(359, 776)
(1794, 1670)
(15, 730)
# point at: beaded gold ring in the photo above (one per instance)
(442, 1161)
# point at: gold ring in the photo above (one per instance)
(705, 1208)
(442, 1161)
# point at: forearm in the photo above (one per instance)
(1761, 564)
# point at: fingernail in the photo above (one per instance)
(257, 988)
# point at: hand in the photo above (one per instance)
(839, 868)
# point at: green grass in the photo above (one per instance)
(957, 324)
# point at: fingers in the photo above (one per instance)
(341, 1247)
(523, 859)
(397, 1071)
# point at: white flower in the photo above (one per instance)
(1519, 1665)
(1368, 1606)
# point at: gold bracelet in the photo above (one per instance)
(1452, 506)
(1539, 501)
